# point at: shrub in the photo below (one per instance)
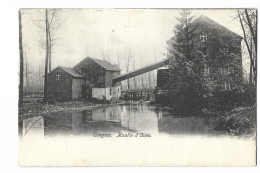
(51, 99)
(248, 95)
(240, 121)
(224, 100)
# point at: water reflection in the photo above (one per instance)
(127, 118)
(32, 127)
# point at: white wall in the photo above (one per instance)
(109, 93)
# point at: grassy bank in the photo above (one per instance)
(239, 121)
(37, 107)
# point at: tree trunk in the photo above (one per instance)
(118, 61)
(251, 30)
(134, 79)
(46, 60)
(21, 61)
(142, 74)
(150, 79)
(26, 75)
(49, 35)
(154, 78)
(39, 79)
(249, 49)
(254, 35)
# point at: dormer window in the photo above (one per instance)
(58, 77)
(203, 37)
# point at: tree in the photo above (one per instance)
(47, 57)
(127, 65)
(21, 59)
(134, 78)
(248, 22)
(187, 84)
(118, 60)
(49, 24)
(154, 54)
(27, 73)
(54, 24)
(142, 79)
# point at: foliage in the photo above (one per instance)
(248, 95)
(191, 86)
(240, 121)
(188, 84)
(224, 100)
(248, 22)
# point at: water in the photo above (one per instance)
(67, 139)
(136, 118)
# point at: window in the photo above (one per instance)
(226, 71)
(224, 49)
(203, 37)
(206, 71)
(223, 71)
(230, 70)
(58, 77)
(225, 86)
(110, 91)
(228, 86)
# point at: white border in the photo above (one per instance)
(9, 64)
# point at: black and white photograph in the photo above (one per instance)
(137, 86)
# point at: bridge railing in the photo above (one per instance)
(137, 94)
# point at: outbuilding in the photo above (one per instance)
(90, 78)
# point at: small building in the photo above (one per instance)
(65, 83)
(90, 78)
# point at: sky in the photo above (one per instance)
(111, 32)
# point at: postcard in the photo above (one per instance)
(137, 87)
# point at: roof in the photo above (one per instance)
(71, 71)
(214, 24)
(103, 63)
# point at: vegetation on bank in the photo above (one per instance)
(34, 107)
(194, 88)
(239, 121)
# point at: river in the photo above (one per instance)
(136, 118)
(75, 138)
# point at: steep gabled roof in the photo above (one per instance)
(212, 24)
(71, 71)
(103, 63)
(215, 25)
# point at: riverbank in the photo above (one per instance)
(239, 121)
(37, 107)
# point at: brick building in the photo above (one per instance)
(90, 78)
(223, 47)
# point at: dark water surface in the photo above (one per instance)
(138, 118)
